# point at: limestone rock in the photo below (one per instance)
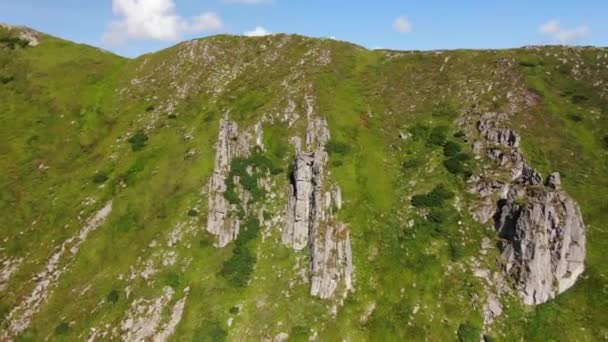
(541, 227)
(231, 144)
(310, 220)
(544, 242)
(331, 260)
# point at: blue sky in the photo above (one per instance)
(133, 27)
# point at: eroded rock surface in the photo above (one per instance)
(310, 216)
(541, 227)
(231, 144)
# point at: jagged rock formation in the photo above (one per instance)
(310, 219)
(230, 144)
(542, 231)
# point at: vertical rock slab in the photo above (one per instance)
(310, 219)
(230, 144)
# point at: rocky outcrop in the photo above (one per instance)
(541, 227)
(231, 144)
(543, 240)
(310, 217)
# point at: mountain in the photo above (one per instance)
(286, 188)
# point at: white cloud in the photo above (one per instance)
(206, 22)
(402, 25)
(154, 20)
(258, 31)
(561, 35)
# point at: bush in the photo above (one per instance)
(579, 99)
(438, 136)
(172, 279)
(451, 149)
(605, 141)
(420, 132)
(62, 328)
(234, 310)
(13, 42)
(411, 164)
(468, 333)
(456, 251)
(113, 296)
(210, 331)
(100, 178)
(435, 198)
(437, 216)
(458, 164)
(238, 269)
(138, 141)
(575, 117)
(334, 147)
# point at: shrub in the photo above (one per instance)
(172, 279)
(62, 328)
(234, 310)
(458, 164)
(575, 117)
(468, 333)
(138, 140)
(435, 198)
(238, 269)
(13, 42)
(450, 149)
(459, 134)
(411, 164)
(6, 79)
(100, 177)
(605, 141)
(437, 216)
(334, 147)
(456, 251)
(579, 99)
(192, 212)
(438, 136)
(299, 331)
(420, 132)
(113, 296)
(210, 331)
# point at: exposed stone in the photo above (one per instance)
(544, 242)
(492, 309)
(231, 144)
(331, 260)
(309, 217)
(542, 231)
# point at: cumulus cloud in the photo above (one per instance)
(258, 31)
(561, 35)
(402, 25)
(154, 20)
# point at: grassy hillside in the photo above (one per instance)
(81, 127)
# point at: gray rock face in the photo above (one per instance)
(543, 246)
(231, 144)
(331, 263)
(310, 218)
(544, 241)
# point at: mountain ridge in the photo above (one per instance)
(324, 142)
